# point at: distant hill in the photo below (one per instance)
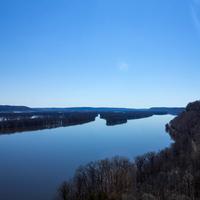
(154, 110)
(172, 111)
(8, 108)
(85, 109)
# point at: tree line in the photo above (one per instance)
(17, 122)
(171, 174)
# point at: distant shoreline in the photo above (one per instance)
(21, 118)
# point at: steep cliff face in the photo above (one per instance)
(185, 128)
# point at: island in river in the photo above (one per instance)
(21, 118)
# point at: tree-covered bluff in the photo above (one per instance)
(171, 174)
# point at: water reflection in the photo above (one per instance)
(34, 164)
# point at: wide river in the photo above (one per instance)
(33, 164)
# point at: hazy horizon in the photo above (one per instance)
(143, 107)
(99, 53)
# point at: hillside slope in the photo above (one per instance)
(171, 174)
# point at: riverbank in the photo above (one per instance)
(173, 173)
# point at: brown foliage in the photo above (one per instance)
(171, 174)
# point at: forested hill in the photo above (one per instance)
(162, 110)
(8, 108)
(171, 174)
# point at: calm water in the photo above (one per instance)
(34, 164)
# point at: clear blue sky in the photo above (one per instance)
(119, 53)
